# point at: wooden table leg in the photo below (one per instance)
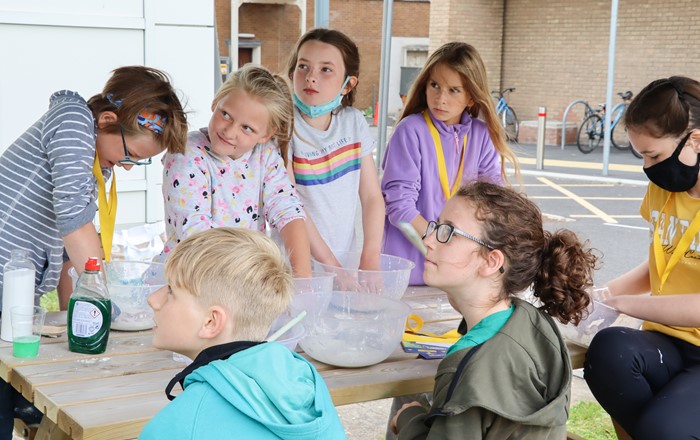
(48, 430)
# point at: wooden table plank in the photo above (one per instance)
(381, 381)
(27, 379)
(114, 419)
(51, 398)
(50, 351)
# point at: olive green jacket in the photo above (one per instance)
(516, 385)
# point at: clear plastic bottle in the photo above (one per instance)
(89, 312)
(17, 288)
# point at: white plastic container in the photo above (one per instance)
(600, 316)
(350, 329)
(390, 281)
(17, 288)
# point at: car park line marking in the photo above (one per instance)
(599, 213)
(634, 199)
(585, 165)
(637, 199)
(607, 185)
(611, 215)
(626, 226)
(566, 185)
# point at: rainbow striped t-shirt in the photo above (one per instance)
(326, 167)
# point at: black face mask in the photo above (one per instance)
(673, 175)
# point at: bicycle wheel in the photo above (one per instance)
(590, 134)
(618, 133)
(510, 124)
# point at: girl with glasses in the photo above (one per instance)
(52, 178)
(509, 376)
(648, 380)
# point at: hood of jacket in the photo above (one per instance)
(523, 373)
(275, 387)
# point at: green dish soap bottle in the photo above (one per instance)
(89, 311)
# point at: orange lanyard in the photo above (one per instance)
(442, 169)
(107, 209)
(663, 269)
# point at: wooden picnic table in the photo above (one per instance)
(114, 394)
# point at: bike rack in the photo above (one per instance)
(566, 113)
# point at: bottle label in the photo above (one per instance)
(87, 319)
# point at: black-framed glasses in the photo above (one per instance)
(445, 233)
(127, 160)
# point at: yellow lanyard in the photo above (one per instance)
(663, 268)
(442, 169)
(107, 209)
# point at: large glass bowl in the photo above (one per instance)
(390, 281)
(350, 329)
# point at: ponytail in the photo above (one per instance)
(564, 277)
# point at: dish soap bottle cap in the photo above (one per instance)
(93, 264)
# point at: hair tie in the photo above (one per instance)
(151, 121)
(678, 88)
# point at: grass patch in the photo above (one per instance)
(49, 301)
(590, 421)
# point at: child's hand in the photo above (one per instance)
(370, 278)
(345, 281)
(370, 262)
(394, 428)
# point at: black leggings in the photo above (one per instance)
(647, 381)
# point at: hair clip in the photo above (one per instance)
(115, 102)
(151, 121)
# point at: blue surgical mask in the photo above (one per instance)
(314, 111)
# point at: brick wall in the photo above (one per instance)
(477, 22)
(277, 27)
(552, 51)
(556, 51)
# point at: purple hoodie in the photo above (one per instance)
(411, 184)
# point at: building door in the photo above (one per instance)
(245, 56)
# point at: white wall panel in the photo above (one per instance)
(74, 44)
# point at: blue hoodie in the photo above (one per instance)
(262, 392)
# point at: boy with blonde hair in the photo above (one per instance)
(225, 288)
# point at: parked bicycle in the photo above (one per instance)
(509, 120)
(591, 132)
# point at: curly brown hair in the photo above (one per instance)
(140, 89)
(555, 265)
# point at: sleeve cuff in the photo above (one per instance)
(409, 414)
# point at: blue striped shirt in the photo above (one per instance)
(47, 189)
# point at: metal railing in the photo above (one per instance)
(566, 113)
